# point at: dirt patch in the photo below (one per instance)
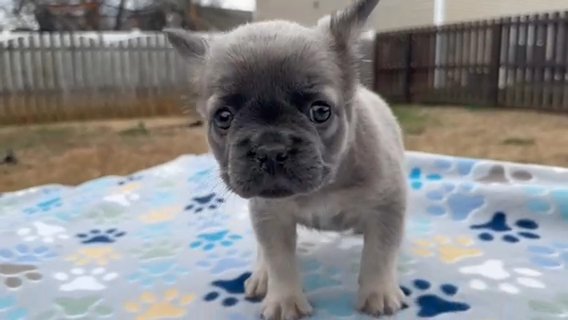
(71, 153)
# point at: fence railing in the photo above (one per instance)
(512, 62)
(84, 75)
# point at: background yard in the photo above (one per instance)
(71, 153)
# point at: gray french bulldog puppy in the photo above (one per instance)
(294, 131)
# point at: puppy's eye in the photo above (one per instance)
(320, 112)
(223, 119)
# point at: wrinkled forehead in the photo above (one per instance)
(265, 65)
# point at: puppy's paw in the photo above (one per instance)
(291, 307)
(380, 301)
(255, 286)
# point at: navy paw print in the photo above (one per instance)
(417, 179)
(232, 291)
(98, 236)
(498, 225)
(208, 241)
(210, 201)
(431, 305)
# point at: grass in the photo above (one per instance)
(71, 153)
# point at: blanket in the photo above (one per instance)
(484, 240)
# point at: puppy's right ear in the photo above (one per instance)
(191, 46)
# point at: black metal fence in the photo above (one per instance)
(511, 62)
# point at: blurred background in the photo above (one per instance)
(90, 88)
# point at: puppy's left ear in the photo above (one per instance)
(191, 46)
(346, 25)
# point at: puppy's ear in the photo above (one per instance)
(189, 45)
(346, 25)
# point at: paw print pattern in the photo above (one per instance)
(14, 275)
(107, 213)
(554, 256)
(497, 174)
(97, 236)
(318, 276)
(541, 201)
(232, 291)
(80, 279)
(23, 254)
(498, 225)
(9, 309)
(44, 206)
(231, 260)
(152, 273)
(43, 232)
(210, 201)
(430, 304)
(447, 249)
(87, 307)
(417, 180)
(149, 306)
(495, 271)
(209, 241)
(157, 250)
(457, 202)
(93, 255)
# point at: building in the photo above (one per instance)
(402, 14)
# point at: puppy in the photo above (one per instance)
(295, 132)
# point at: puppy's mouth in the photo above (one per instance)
(275, 193)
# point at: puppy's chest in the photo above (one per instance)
(322, 217)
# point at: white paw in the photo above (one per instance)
(80, 280)
(286, 307)
(385, 300)
(255, 286)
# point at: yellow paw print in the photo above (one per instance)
(449, 250)
(164, 215)
(150, 307)
(130, 188)
(96, 255)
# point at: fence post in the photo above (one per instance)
(408, 68)
(495, 62)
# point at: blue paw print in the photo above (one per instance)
(150, 274)
(549, 257)
(460, 202)
(231, 260)
(201, 177)
(98, 236)
(334, 306)
(417, 179)
(431, 305)
(317, 276)
(10, 311)
(498, 224)
(208, 241)
(232, 291)
(26, 255)
(463, 166)
(44, 206)
(210, 201)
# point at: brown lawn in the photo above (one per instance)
(71, 153)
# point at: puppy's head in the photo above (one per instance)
(277, 99)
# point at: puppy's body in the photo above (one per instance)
(294, 131)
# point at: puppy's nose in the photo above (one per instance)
(271, 156)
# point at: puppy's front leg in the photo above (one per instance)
(276, 234)
(379, 292)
